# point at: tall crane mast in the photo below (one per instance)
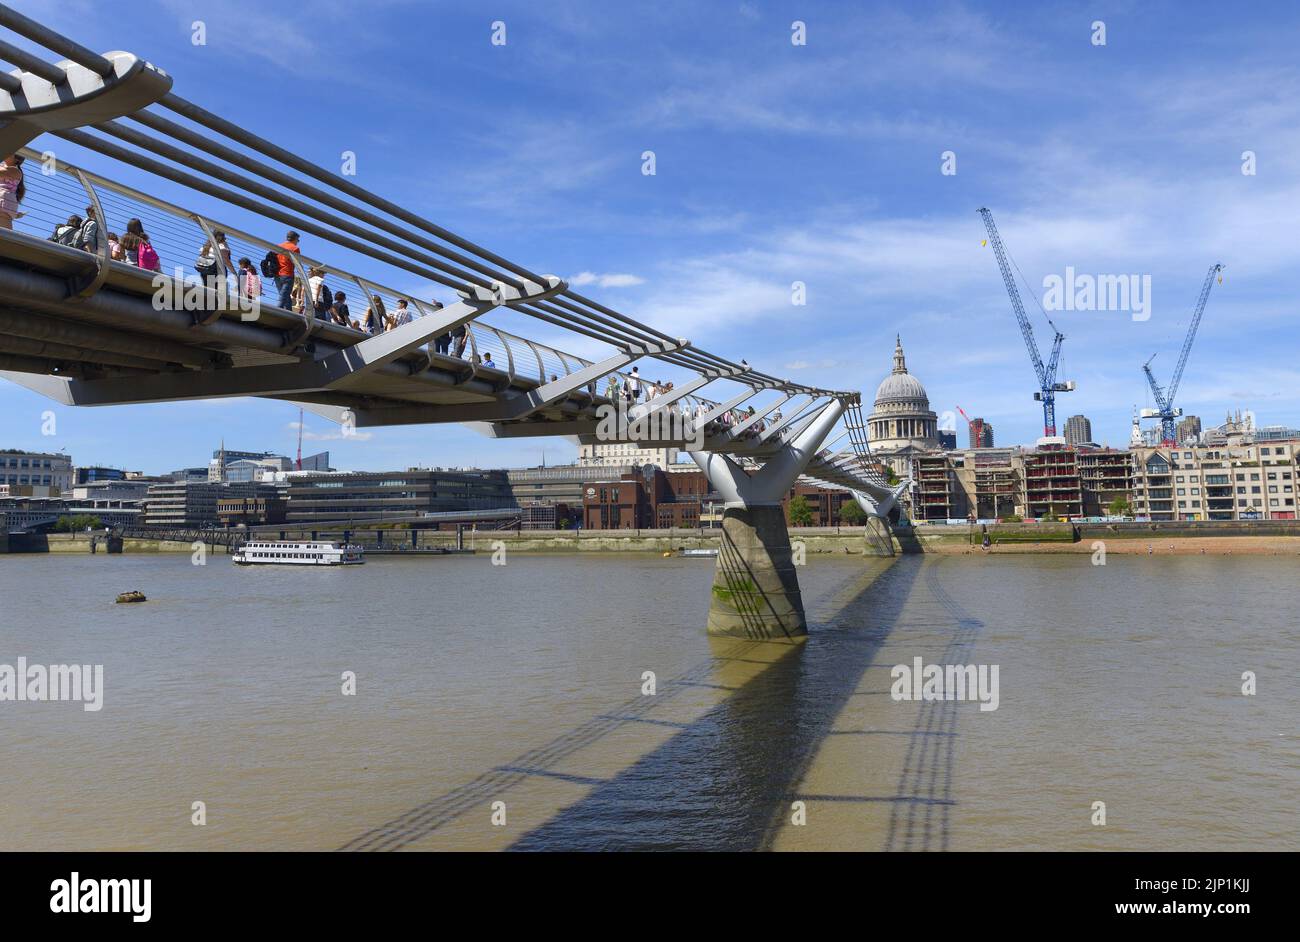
(1048, 387)
(1165, 396)
(976, 436)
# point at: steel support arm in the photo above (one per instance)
(768, 484)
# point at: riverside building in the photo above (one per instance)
(35, 473)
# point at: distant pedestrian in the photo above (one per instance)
(319, 292)
(250, 283)
(634, 384)
(402, 315)
(131, 241)
(376, 316)
(12, 190)
(214, 261)
(284, 272)
(460, 335)
(65, 233)
(89, 236)
(341, 313)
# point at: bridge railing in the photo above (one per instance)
(58, 190)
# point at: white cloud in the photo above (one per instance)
(340, 436)
(611, 280)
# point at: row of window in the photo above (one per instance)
(41, 479)
(26, 463)
(1216, 455)
(1256, 502)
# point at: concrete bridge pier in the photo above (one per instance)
(755, 591)
(879, 538)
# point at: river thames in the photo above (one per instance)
(523, 685)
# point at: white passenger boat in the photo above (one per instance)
(298, 554)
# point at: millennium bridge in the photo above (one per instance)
(85, 329)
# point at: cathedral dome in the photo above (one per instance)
(901, 419)
(902, 387)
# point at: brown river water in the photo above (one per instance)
(523, 685)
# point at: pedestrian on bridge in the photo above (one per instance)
(65, 233)
(137, 248)
(88, 235)
(284, 272)
(376, 316)
(12, 190)
(341, 312)
(321, 298)
(250, 283)
(402, 315)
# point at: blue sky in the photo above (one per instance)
(776, 163)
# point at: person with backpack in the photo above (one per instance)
(207, 265)
(284, 270)
(250, 286)
(341, 312)
(12, 190)
(88, 235)
(321, 298)
(131, 241)
(66, 233)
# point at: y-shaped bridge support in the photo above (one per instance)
(755, 587)
(879, 537)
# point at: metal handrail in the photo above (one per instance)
(206, 225)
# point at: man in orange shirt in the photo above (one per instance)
(284, 274)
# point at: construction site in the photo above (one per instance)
(1175, 473)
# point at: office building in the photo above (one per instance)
(1078, 430)
(35, 473)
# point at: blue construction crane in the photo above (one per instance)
(1048, 387)
(1165, 397)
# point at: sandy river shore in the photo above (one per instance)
(1176, 546)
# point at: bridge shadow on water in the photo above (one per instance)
(920, 814)
(725, 780)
